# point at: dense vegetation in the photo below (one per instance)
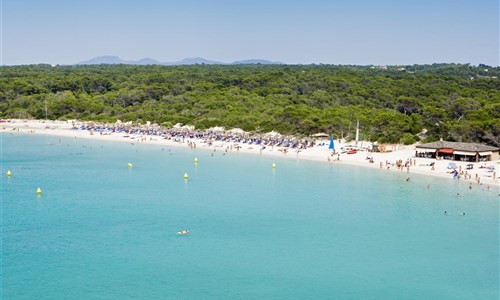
(394, 104)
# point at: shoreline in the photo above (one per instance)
(386, 161)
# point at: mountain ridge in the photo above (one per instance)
(113, 60)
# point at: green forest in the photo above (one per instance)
(394, 104)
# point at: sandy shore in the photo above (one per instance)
(384, 161)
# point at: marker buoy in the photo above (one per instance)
(38, 191)
(274, 166)
(185, 176)
(130, 165)
(9, 173)
(196, 160)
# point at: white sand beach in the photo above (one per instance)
(386, 161)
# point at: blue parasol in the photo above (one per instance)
(331, 147)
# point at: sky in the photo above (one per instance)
(356, 32)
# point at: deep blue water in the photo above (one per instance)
(305, 230)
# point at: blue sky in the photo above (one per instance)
(359, 32)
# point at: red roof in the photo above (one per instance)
(446, 151)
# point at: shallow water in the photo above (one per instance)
(305, 230)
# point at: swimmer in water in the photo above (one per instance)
(445, 212)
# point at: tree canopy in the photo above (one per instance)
(455, 102)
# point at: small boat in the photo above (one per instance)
(183, 232)
(352, 151)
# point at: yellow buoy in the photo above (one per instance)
(185, 176)
(9, 173)
(274, 166)
(38, 191)
(196, 160)
(130, 165)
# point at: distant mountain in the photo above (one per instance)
(194, 61)
(98, 60)
(113, 60)
(147, 61)
(257, 62)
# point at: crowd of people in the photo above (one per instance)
(208, 135)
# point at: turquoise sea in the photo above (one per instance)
(305, 230)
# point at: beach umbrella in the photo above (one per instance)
(332, 146)
(273, 134)
(320, 135)
(452, 165)
(216, 129)
(236, 131)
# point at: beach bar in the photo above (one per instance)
(473, 152)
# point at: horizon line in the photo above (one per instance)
(277, 63)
